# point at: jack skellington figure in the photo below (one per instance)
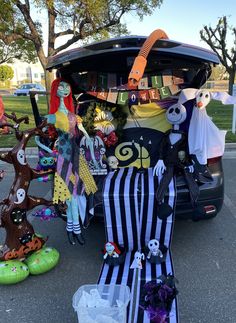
(174, 159)
(153, 246)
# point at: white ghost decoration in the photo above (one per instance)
(204, 138)
(21, 157)
(137, 262)
(20, 194)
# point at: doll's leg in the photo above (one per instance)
(164, 209)
(69, 224)
(192, 186)
(164, 183)
(75, 219)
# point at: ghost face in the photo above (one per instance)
(109, 248)
(176, 114)
(18, 215)
(20, 195)
(63, 89)
(138, 257)
(113, 162)
(153, 246)
(202, 99)
(21, 157)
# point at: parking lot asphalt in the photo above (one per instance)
(204, 255)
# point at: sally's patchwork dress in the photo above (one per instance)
(72, 175)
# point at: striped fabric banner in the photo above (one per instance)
(131, 220)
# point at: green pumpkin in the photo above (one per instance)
(12, 272)
(42, 260)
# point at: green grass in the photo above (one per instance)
(221, 115)
(22, 107)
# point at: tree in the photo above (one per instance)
(216, 38)
(6, 73)
(79, 19)
(20, 236)
(218, 73)
(20, 49)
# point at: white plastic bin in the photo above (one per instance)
(115, 313)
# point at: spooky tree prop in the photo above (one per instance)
(20, 236)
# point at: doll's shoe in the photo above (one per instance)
(79, 237)
(164, 210)
(70, 236)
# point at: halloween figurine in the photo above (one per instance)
(72, 175)
(137, 262)
(153, 246)
(209, 141)
(113, 162)
(111, 250)
(174, 158)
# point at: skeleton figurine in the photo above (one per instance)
(137, 262)
(111, 250)
(174, 158)
(113, 162)
(153, 246)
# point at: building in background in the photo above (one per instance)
(27, 73)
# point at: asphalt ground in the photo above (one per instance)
(204, 256)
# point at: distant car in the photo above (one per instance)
(25, 89)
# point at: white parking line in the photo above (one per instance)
(230, 205)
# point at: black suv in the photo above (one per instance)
(117, 55)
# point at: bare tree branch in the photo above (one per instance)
(216, 38)
(36, 201)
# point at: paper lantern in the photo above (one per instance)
(12, 272)
(42, 260)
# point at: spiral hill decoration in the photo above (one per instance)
(129, 154)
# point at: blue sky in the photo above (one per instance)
(183, 19)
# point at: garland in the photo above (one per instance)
(108, 87)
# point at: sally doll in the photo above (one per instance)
(72, 175)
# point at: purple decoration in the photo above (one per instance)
(45, 214)
(158, 298)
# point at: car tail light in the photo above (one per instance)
(210, 209)
(212, 161)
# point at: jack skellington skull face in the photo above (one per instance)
(176, 114)
(153, 246)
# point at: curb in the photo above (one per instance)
(31, 151)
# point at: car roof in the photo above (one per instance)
(101, 55)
